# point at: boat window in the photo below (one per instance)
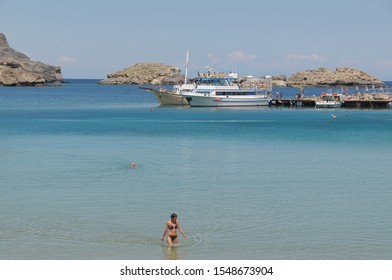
(222, 82)
(230, 93)
(213, 82)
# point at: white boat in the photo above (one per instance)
(214, 89)
(329, 100)
(220, 90)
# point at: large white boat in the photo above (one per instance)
(329, 100)
(214, 89)
(218, 90)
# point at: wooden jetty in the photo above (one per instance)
(311, 102)
(288, 102)
(366, 104)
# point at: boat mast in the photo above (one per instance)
(186, 66)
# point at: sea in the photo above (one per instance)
(257, 183)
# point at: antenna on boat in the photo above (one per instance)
(186, 66)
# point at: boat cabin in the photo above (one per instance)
(213, 82)
(331, 97)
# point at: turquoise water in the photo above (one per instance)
(253, 183)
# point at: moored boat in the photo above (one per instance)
(214, 90)
(225, 98)
(329, 100)
(222, 91)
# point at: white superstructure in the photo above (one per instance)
(216, 90)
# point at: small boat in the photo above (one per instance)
(329, 100)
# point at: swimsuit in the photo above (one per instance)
(171, 227)
(173, 237)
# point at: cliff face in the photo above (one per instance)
(16, 69)
(145, 73)
(343, 76)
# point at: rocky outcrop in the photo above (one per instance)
(16, 69)
(323, 77)
(145, 73)
(369, 97)
(279, 81)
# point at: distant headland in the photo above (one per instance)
(16, 69)
(160, 74)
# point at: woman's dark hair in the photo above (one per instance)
(174, 215)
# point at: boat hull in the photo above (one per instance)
(168, 97)
(328, 104)
(227, 101)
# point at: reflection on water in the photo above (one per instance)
(176, 252)
(170, 252)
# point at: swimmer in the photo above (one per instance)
(333, 116)
(133, 165)
(171, 230)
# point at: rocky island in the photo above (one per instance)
(145, 73)
(16, 69)
(324, 77)
(160, 74)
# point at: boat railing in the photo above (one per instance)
(212, 75)
(380, 90)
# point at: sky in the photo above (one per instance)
(92, 38)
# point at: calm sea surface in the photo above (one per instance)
(253, 183)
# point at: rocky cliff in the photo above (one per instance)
(279, 81)
(323, 77)
(16, 69)
(145, 73)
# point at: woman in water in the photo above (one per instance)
(171, 230)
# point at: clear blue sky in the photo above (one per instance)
(90, 39)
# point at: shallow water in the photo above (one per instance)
(251, 183)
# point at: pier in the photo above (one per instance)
(289, 102)
(348, 103)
